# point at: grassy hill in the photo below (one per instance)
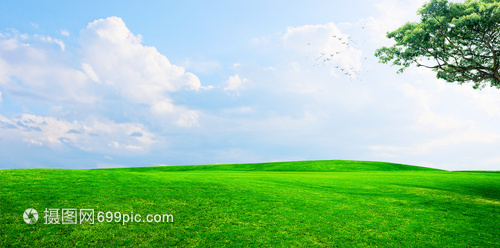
(298, 204)
(311, 166)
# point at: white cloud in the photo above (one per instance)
(162, 107)
(51, 40)
(10, 41)
(4, 71)
(391, 15)
(188, 118)
(115, 70)
(87, 68)
(139, 73)
(235, 83)
(424, 115)
(65, 32)
(92, 135)
(39, 72)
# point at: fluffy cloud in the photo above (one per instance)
(235, 83)
(102, 136)
(31, 69)
(115, 56)
(114, 61)
(113, 72)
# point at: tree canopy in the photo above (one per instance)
(460, 41)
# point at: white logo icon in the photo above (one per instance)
(30, 216)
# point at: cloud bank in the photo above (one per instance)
(68, 99)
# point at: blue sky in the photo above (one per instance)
(98, 84)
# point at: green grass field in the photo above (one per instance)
(289, 204)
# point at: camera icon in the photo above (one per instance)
(30, 216)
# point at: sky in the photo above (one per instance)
(104, 84)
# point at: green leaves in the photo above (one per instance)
(460, 39)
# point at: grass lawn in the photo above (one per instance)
(290, 204)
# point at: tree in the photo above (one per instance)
(460, 41)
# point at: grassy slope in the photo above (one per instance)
(260, 205)
(305, 166)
